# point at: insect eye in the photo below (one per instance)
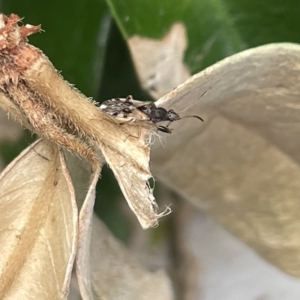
(172, 115)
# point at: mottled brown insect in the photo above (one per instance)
(129, 110)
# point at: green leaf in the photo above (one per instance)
(215, 28)
(74, 39)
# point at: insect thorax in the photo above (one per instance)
(155, 114)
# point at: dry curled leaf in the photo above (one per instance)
(103, 266)
(84, 239)
(242, 164)
(119, 275)
(38, 235)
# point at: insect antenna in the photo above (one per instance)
(191, 117)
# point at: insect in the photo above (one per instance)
(129, 110)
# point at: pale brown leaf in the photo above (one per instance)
(242, 164)
(38, 232)
(115, 274)
(83, 268)
(133, 176)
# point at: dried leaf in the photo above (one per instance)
(95, 243)
(84, 239)
(85, 183)
(242, 164)
(115, 274)
(38, 232)
(133, 176)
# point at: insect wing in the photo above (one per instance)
(137, 103)
(123, 110)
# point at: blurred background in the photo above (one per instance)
(87, 42)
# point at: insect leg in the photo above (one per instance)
(164, 129)
(168, 124)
